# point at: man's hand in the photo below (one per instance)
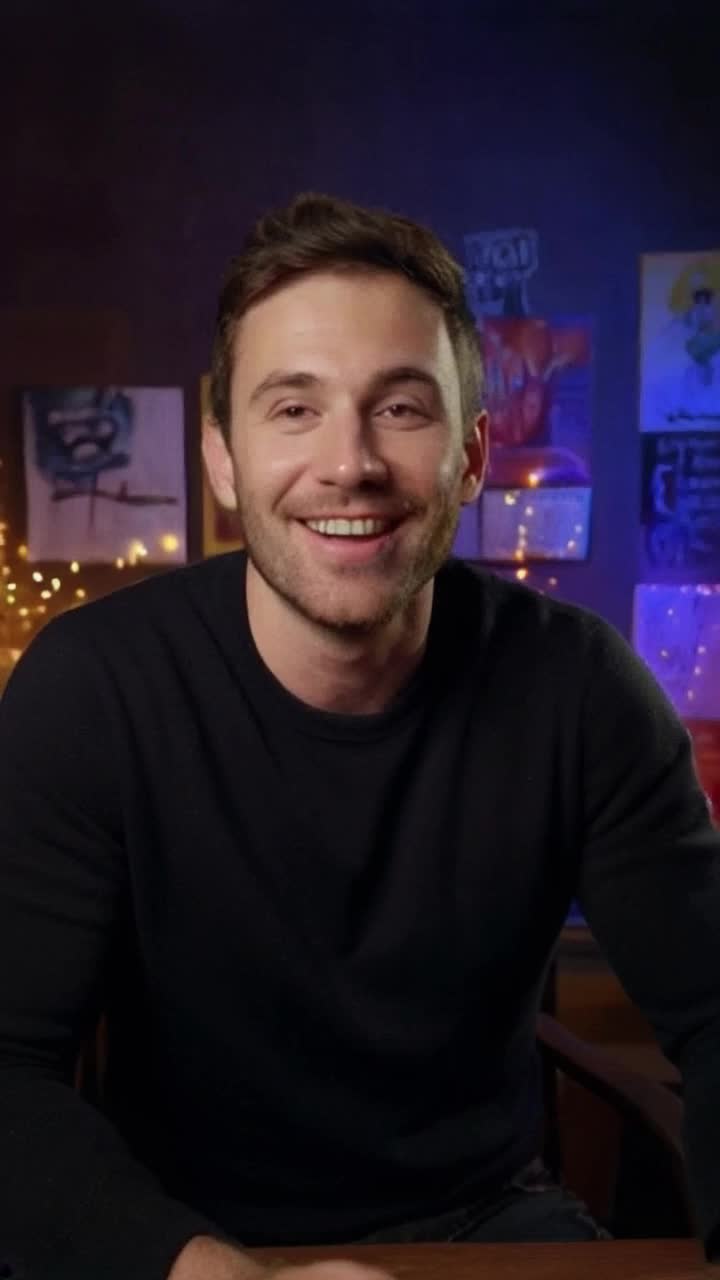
(333, 1269)
(204, 1258)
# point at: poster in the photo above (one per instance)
(680, 342)
(499, 265)
(542, 524)
(676, 631)
(538, 395)
(705, 736)
(681, 501)
(220, 527)
(105, 474)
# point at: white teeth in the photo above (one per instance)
(338, 528)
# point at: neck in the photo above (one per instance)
(331, 670)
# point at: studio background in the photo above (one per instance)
(139, 142)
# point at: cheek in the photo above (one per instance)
(432, 471)
(427, 458)
(452, 465)
(270, 466)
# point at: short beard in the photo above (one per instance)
(428, 559)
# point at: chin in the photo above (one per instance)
(349, 620)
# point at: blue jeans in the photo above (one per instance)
(532, 1206)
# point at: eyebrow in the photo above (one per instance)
(297, 380)
(405, 373)
(293, 380)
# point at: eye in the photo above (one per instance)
(299, 414)
(400, 409)
(294, 410)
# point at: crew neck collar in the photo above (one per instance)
(314, 720)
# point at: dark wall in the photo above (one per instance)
(140, 143)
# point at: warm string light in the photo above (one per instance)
(524, 574)
(524, 531)
(29, 597)
(530, 512)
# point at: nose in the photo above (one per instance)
(347, 453)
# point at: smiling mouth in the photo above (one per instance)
(360, 527)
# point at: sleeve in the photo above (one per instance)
(650, 888)
(73, 1201)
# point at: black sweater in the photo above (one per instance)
(320, 939)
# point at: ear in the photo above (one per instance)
(218, 464)
(475, 448)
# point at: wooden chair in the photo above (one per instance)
(614, 1137)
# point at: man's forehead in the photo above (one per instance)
(332, 308)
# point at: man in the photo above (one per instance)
(305, 824)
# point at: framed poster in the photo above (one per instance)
(105, 474)
(220, 527)
(680, 341)
(681, 501)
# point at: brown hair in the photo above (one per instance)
(317, 232)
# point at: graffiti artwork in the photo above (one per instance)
(105, 473)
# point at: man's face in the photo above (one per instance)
(346, 452)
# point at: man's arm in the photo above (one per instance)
(73, 1200)
(650, 888)
(74, 1203)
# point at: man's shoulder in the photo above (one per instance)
(494, 607)
(161, 605)
(530, 647)
(174, 589)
